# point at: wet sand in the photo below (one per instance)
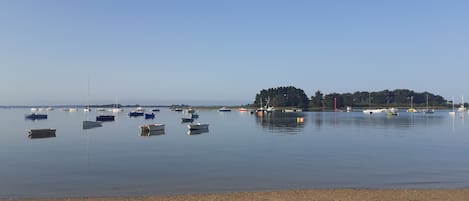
(297, 195)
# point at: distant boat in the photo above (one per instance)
(197, 126)
(186, 119)
(452, 113)
(116, 108)
(190, 111)
(155, 110)
(462, 108)
(149, 116)
(34, 116)
(224, 109)
(197, 132)
(135, 113)
(243, 109)
(41, 133)
(152, 127)
(140, 109)
(392, 112)
(428, 110)
(105, 118)
(87, 109)
(374, 111)
(91, 124)
(146, 133)
(411, 109)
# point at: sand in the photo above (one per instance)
(296, 195)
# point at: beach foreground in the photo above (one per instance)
(293, 195)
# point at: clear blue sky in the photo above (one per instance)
(224, 52)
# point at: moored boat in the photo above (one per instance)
(34, 116)
(135, 113)
(105, 118)
(373, 111)
(224, 109)
(186, 119)
(91, 124)
(152, 127)
(197, 132)
(41, 133)
(149, 116)
(197, 126)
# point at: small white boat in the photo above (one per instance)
(41, 133)
(374, 111)
(224, 109)
(91, 124)
(152, 127)
(86, 109)
(197, 126)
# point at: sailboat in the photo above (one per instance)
(116, 108)
(428, 111)
(452, 113)
(372, 111)
(87, 124)
(411, 109)
(461, 107)
(87, 108)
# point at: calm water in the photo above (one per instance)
(241, 152)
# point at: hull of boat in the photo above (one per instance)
(35, 116)
(197, 126)
(152, 127)
(41, 133)
(91, 124)
(105, 118)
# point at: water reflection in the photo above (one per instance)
(358, 119)
(147, 133)
(281, 122)
(197, 132)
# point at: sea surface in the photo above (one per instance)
(239, 152)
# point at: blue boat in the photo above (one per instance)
(34, 116)
(135, 114)
(105, 118)
(149, 116)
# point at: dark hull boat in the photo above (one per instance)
(34, 116)
(91, 124)
(41, 133)
(105, 118)
(135, 114)
(149, 116)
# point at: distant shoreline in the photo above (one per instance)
(294, 195)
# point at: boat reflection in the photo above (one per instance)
(356, 119)
(197, 132)
(281, 122)
(147, 133)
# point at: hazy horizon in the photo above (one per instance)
(224, 52)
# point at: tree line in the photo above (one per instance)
(293, 97)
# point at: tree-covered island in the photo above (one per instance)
(292, 97)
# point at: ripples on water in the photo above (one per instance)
(238, 152)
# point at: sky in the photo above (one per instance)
(224, 52)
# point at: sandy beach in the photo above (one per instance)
(297, 195)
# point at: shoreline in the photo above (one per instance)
(457, 194)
